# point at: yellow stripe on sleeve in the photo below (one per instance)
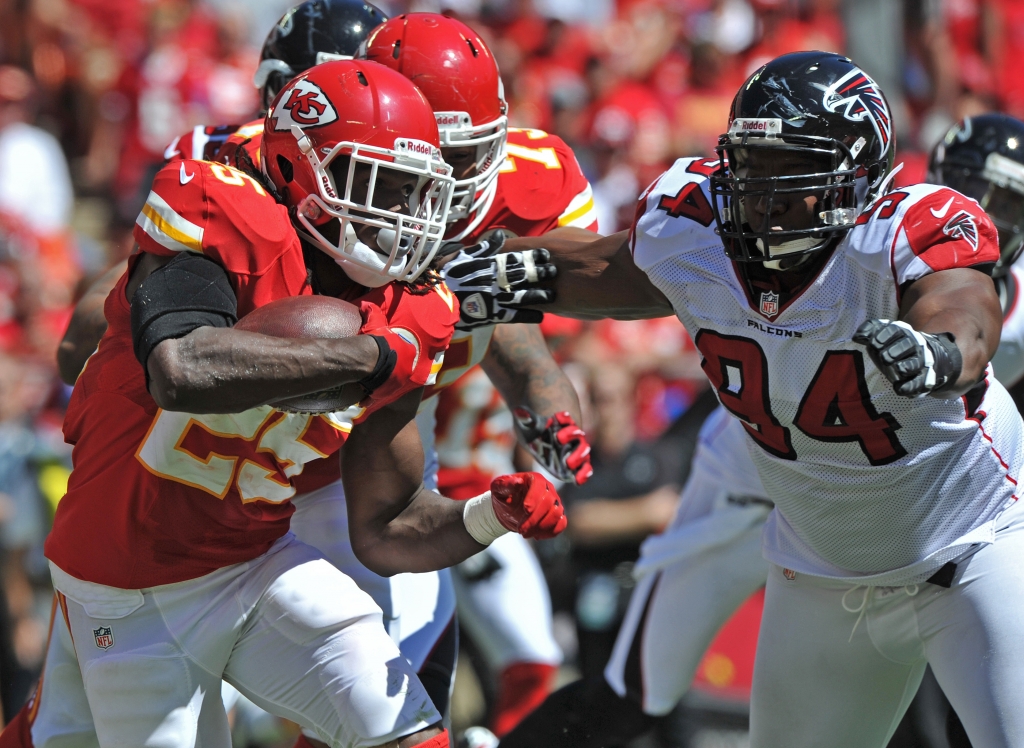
(168, 229)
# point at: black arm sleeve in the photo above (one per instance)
(188, 292)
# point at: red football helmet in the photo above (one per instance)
(456, 71)
(339, 134)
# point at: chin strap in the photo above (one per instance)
(883, 187)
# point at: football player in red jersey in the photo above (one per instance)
(170, 550)
(526, 183)
(517, 356)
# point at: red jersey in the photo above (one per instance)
(217, 143)
(540, 187)
(474, 436)
(158, 497)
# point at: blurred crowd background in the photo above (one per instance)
(93, 91)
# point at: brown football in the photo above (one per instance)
(309, 317)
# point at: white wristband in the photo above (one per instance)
(481, 521)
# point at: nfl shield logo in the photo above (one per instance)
(474, 306)
(769, 303)
(104, 637)
(789, 574)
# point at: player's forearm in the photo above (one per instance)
(521, 368)
(962, 302)
(429, 534)
(219, 370)
(598, 279)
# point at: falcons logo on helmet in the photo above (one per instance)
(859, 98)
(303, 104)
(962, 226)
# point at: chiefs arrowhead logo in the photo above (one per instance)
(962, 226)
(304, 104)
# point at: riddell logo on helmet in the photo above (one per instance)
(766, 125)
(451, 119)
(303, 105)
(419, 147)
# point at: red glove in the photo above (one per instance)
(558, 444)
(527, 503)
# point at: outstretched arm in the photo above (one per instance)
(597, 278)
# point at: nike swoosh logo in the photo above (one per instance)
(186, 178)
(945, 208)
(172, 150)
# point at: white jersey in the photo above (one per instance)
(867, 484)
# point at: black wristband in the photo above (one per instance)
(386, 361)
(948, 361)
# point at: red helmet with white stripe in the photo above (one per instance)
(340, 142)
(456, 71)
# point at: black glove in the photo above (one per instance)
(492, 287)
(917, 363)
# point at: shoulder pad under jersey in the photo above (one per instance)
(541, 177)
(921, 229)
(225, 214)
(674, 214)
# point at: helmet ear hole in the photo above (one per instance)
(285, 166)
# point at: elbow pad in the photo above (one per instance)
(189, 292)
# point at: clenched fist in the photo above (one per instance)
(917, 363)
(526, 503)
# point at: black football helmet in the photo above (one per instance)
(310, 33)
(824, 114)
(983, 157)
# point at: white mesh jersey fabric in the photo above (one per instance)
(940, 478)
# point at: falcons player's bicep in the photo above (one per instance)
(598, 278)
(961, 301)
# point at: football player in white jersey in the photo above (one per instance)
(693, 576)
(848, 327)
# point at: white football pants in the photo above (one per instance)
(838, 665)
(288, 630)
(693, 577)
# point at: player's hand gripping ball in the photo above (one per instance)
(310, 317)
(493, 287)
(917, 363)
(557, 443)
(527, 503)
